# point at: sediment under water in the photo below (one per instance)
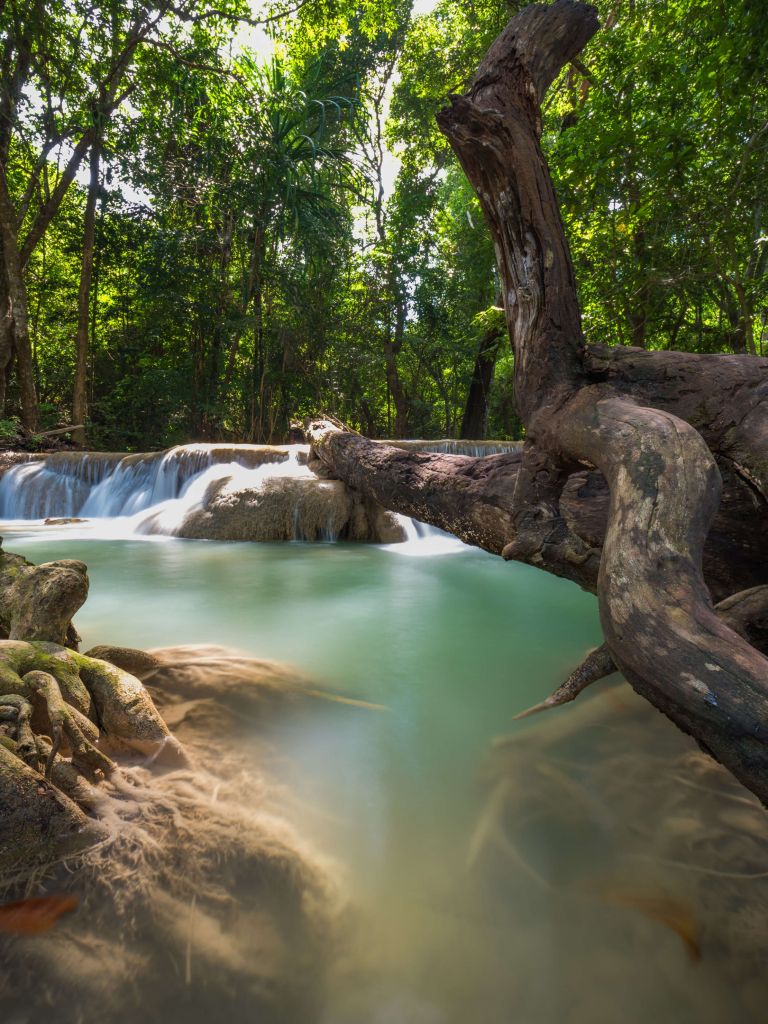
(483, 891)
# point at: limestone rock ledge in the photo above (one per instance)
(285, 509)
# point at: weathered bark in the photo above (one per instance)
(80, 388)
(6, 330)
(474, 499)
(677, 444)
(17, 308)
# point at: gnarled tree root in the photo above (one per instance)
(62, 715)
(746, 613)
(675, 443)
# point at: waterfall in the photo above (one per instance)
(167, 515)
(455, 446)
(423, 539)
(203, 491)
(108, 486)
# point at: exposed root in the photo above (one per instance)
(64, 722)
(65, 712)
(20, 711)
(747, 614)
(185, 887)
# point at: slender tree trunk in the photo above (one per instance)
(80, 390)
(213, 414)
(6, 332)
(245, 302)
(257, 396)
(198, 340)
(745, 315)
(17, 305)
(17, 295)
(474, 424)
(392, 348)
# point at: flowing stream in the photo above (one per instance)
(158, 492)
(477, 897)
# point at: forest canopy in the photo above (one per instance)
(215, 218)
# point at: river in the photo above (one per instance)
(543, 891)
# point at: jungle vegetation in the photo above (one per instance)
(215, 218)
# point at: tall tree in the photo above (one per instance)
(80, 388)
(665, 435)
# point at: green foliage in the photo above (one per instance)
(252, 264)
(660, 157)
(9, 430)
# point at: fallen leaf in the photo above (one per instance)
(35, 916)
(656, 903)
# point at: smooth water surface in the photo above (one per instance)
(453, 646)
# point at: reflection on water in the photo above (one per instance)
(534, 881)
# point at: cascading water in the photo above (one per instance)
(172, 493)
(167, 515)
(114, 485)
(423, 539)
(458, 446)
(141, 494)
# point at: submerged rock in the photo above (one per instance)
(199, 902)
(610, 814)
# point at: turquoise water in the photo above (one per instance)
(452, 646)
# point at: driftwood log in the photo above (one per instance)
(644, 475)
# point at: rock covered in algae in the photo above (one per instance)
(37, 602)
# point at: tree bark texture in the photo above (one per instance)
(80, 389)
(17, 325)
(644, 476)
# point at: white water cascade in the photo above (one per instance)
(198, 490)
(422, 539)
(142, 494)
(456, 446)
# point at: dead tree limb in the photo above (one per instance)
(675, 446)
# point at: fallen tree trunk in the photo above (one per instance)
(644, 476)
